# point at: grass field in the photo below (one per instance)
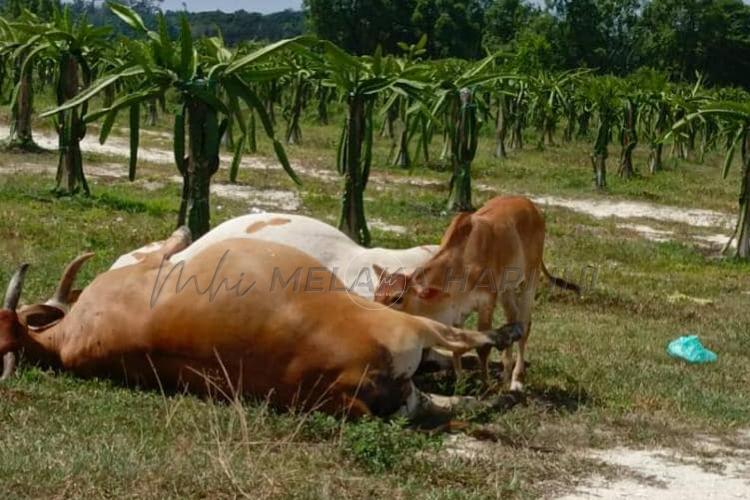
(599, 373)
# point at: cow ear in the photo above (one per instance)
(39, 317)
(379, 271)
(431, 293)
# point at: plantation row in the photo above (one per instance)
(231, 94)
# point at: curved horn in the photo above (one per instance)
(66, 282)
(13, 292)
(9, 366)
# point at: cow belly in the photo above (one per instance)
(229, 378)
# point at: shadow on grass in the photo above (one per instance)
(497, 397)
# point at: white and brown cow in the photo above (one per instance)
(494, 254)
(244, 315)
(350, 262)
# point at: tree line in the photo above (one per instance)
(609, 36)
(235, 27)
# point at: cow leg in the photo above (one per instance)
(525, 306)
(439, 359)
(510, 306)
(460, 341)
(457, 368)
(178, 242)
(457, 363)
(422, 406)
(457, 340)
(519, 371)
(485, 323)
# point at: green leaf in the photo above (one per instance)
(341, 150)
(179, 139)
(368, 132)
(339, 57)
(187, 53)
(730, 152)
(109, 121)
(94, 89)
(240, 89)
(128, 15)
(204, 92)
(281, 155)
(237, 158)
(163, 45)
(123, 102)
(135, 125)
(235, 86)
(377, 60)
(258, 55)
(29, 59)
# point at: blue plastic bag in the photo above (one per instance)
(691, 350)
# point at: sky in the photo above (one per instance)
(264, 6)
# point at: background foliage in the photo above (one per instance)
(611, 36)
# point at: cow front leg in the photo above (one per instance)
(512, 313)
(457, 357)
(421, 407)
(460, 341)
(485, 323)
(457, 367)
(434, 360)
(525, 306)
(519, 371)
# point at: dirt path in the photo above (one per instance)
(625, 211)
(714, 471)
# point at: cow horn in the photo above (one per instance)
(13, 293)
(66, 282)
(12, 296)
(9, 366)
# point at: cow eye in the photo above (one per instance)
(397, 299)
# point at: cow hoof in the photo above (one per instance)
(507, 334)
(516, 386)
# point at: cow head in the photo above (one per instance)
(405, 292)
(16, 324)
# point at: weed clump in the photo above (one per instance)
(380, 446)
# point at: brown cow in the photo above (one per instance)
(492, 254)
(243, 315)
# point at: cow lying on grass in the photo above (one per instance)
(241, 316)
(492, 254)
(350, 262)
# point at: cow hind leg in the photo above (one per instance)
(178, 242)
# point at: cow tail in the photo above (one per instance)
(561, 283)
